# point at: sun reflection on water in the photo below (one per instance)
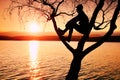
(33, 51)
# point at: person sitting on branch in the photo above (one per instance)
(80, 23)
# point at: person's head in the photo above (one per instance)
(79, 8)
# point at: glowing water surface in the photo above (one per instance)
(50, 60)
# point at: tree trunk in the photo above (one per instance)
(74, 68)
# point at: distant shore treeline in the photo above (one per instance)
(55, 38)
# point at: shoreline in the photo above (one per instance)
(55, 38)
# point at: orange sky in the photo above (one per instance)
(12, 24)
(7, 24)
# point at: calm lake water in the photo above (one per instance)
(50, 60)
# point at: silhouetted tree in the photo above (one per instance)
(51, 9)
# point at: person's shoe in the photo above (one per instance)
(60, 31)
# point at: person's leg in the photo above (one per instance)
(70, 34)
(77, 27)
(62, 32)
(65, 30)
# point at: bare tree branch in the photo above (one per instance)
(61, 38)
(69, 14)
(53, 8)
(94, 16)
(102, 22)
(59, 5)
(108, 34)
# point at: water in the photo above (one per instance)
(50, 60)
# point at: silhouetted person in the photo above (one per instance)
(79, 23)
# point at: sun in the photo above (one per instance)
(34, 27)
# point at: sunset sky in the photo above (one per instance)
(9, 24)
(12, 23)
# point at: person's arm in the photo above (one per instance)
(75, 19)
